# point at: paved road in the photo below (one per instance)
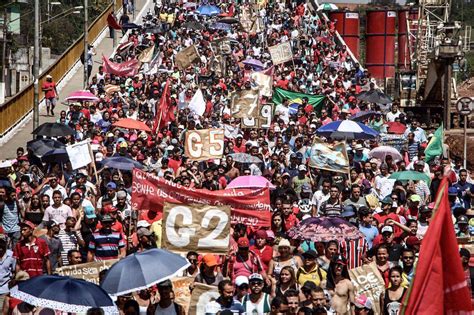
(8, 150)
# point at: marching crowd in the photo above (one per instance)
(55, 216)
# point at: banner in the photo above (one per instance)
(244, 104)
(204, 144)
(201, 228)
(182, 294)
(197, 103)
(263, 118)
(329, 157)
(79, 154)
(262, 83)
(187, 57)
(279, 95)
(88, 271)
(368, 281)
(250, 207)
(281, 53)
(112, 22)
(399, 142)
(124, 69)
(147, 54)
(202, 295)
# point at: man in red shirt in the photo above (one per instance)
(262, 249)
(50, 94)
(31, 253)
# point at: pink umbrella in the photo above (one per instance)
(250, 182)
(82, 95)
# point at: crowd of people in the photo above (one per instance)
(54, 216)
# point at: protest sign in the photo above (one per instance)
(368, 281)
(123, 69)
(202, 295)
(88, 271)
(329, 157)
(182, 293)
(201, 228)
(221, 46)
(399, 142)
(79, 154)
(263, 118)
(248, 206)
(244, 103)
(147, 54)
(187, 57)
(263, 83)
(204, 144)
(281, 53)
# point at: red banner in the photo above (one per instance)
(251, 207)
(124, 69)
(112, 22)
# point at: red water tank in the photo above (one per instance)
(348, 27)
(380, 43)
(406, 44)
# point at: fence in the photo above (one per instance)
(21, 104)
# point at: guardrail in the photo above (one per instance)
(21, 104)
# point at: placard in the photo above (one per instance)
(182, 293)
(281, 53)
(187, 57)
(263, 118)
(399, 142)
(368, 281)
(202, 295)
(200, 228)
(329, 157)
(79, 154)
(244, 104)
(88, 271)
(204, 144)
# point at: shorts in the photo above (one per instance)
(51, 101)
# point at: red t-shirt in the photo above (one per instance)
(265, 255)
(30, 256)
(52, 92)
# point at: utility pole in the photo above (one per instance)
(114, 31)
(36, 66)
(4, 47)
(86, 44)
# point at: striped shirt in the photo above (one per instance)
(30, 256)
(329, 209)
(106, 246)
(69, 241)
(353, 251)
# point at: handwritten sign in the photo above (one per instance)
(263, 118)
(281, 53)
(368, 281)
(182, 294)
(204, 144)
(88, 271)
(202, 295)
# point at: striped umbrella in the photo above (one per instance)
(327, 7)
(347, 129)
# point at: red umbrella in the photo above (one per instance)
(129, 123)
(396, 128)
(82, 95)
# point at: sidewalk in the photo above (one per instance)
(8, 150)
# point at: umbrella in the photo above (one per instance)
(189, 5)
(254, 63)
(396, 127)
(121, 163)
(363, 115)
(194, 25)
(347, 129)
(327, 7)
(63, 294)
(40, 147)
(208, 10)
(324, 229)
(130, 26)
(53, 130)
(410, 175)
(56, 155)
(228, 20)
(82, 95)
(129, 123)
(374, 96)
(250, 182)
(143, 270)
(382, 152)
(245, 158)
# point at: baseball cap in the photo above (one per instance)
(106, 218)
(306, 188)
(309, 285)
(387, 229)
(241, 280)
(387, 201)
(310, 254)
(165, 284)
(143, 232)
(276, 129)
(462, 219)
(270, 234)
(143, 224)
(51, 223)
(452, 191)
(261, 234)
(284, 243)
(302, 167)
(28, 224)
(89, 212)
(109, 209)
(340, 260)
(415, 198)
(210, 260)
(243, 242)
(111, 185)
(255, 277)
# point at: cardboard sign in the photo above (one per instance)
(281, 53)
(400, 142)
(201, 228)
(367, 280)
(204, 144)
(187, 57)
(248, 206)
(202, 295)
(88, 271)
(263, 118)
(79, 154)
(263, 83)
(329, 157)
(244, 104)
(182, 294)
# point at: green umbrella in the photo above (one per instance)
(410, 175)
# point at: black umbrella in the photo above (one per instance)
(56, 156)
(40, 147)
(130, 26)
(193, 25)
(363, 115)
(228, 20)
(53, 130)
(374, 96)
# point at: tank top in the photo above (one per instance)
(392, 307)
(262, 307)
(278, 267)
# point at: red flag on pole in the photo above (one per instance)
(164, 109)
(112, 22)
(439, 286)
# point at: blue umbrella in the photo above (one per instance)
(347, 129)
(208, 10)
(140, 271)
(254, 63)
(55, 155)
(63, 294)
(121, 163)
(40, 147)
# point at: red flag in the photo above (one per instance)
(124, 69)
(164, 109)
(439, 286)
(112, 22)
